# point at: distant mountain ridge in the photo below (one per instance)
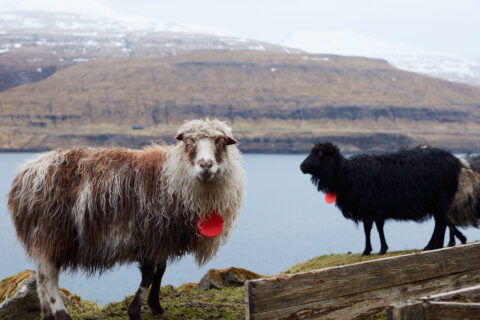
(276, 102)
(38, 37)
(442, 65)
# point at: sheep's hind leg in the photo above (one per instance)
(154, 296)
(367, 227)
(454, 232)
(49, 291)
(383, 243)
(148, 274)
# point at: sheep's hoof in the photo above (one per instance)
(156, 309)
(62, 315)
(135, 316)
(383, 251)
(451, 244)
(463, 240)
(134, 313)
(366, 252)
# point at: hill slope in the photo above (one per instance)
(275, 101)
(41, 36)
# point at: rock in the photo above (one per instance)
(19, 299)
(230, 277)
(187, 286)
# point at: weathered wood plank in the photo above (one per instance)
(470, 293)
(451, 311)
(406, 311)
(353, 291)
(303, 288)
(359, 306)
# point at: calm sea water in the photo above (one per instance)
(284, 221)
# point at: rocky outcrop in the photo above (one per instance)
(230, 277)
(18, 297)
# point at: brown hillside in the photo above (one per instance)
(275, 101)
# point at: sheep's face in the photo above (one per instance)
(322, 164)
(207, 155)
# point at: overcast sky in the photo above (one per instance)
(437, 25)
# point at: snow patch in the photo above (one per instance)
(401, 55)
(257, 47)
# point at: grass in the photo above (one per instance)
(227, 303)
(178, 304)
(334, 260)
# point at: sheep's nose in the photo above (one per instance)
(303, 168)
(205, 164)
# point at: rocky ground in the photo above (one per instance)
(218, 295)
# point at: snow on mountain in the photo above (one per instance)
(403, 56)
(85, 15)
(39, 37)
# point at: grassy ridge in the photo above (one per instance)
(227, 303)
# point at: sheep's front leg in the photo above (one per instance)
(438, 236)
(148, 274)
(383, 244)
(154, 296)
(367, 227)
(47, 281)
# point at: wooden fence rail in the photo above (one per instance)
(358, 290)
(454, 305)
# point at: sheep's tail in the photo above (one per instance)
(465, 208)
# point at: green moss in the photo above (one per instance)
(178, 304)
(10, 285)
(333, 260)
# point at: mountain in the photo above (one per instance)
(276, 101)
(39, 37)
(79, 73)
(401, 55)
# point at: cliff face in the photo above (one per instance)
(275, 102)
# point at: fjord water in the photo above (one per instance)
(284, 221)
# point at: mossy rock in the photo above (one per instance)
(230, 277)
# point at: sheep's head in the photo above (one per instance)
(206, 144)
(322, 163)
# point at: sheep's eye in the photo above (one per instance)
(221, 143)
(189, 144)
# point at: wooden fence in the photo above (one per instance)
(454, 305)
(358, 290)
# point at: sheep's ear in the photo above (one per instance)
(180, 136)
(230, 141)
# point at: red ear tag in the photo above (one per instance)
(211, 226)
(330, 197)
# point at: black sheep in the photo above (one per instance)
(410, 184)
